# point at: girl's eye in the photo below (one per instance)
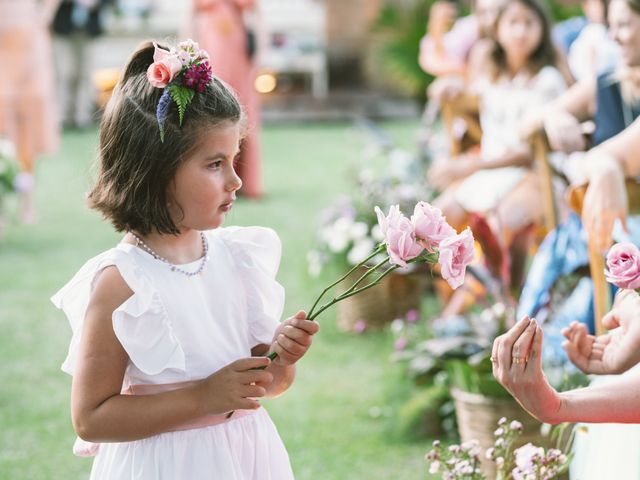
(215, 165)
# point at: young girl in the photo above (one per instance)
(522, 76)
(171, 328)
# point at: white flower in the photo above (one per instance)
(502, 421)
(500, 462)
(397, 325)
(7, 148)
(376, 233)
(525, 457)
(359, 230)
(499, 432)
(515, 425)
(434, 467)
(314, 261)
(361, 250)
(499, 442)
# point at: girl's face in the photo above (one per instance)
(519, 32)
(624, 27)
(205, 185)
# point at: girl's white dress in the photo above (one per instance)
(503, 106)
(178, 329)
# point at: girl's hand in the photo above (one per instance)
(236, 386)
(517, 365)
(564, 132)
(614, 352)
(293, 338)
(604, 202)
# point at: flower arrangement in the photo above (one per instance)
(181, 72)
(623, 266)
(529, 462)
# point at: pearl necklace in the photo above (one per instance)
(175, 268)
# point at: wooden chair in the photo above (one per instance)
(461, 117)
(601, 289)
(541, 152)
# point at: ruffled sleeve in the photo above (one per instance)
(140, 323)
(256, 252)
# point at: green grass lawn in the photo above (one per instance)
(338, 418)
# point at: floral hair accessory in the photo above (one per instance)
(181, 72)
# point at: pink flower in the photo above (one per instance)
(412, 315)
(623, 266)
(430, 226)
(456, 252)
(402, 245)
(360, 326)
(400, 344)
(164, 68)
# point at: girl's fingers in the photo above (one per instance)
(494, 356)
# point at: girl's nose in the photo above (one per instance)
(234, 183)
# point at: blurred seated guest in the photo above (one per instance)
(499, 181)
(27, 108)
(447, 48)
(612, 102)
(593, 51)
(76, 24)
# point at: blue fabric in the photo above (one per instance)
(564, 33)
(609, 117)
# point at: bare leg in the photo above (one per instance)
(456, 216)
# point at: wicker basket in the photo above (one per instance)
(478, 417)
(394, 297)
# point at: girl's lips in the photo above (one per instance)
(225, 207)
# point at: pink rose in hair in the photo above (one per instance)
(164, 68)
(402, 245)
(456, 252)
(623, 266)
(430, 226)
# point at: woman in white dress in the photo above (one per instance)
(176, 332)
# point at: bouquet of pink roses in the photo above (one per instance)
(426, 237)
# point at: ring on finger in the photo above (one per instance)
(519, 360)
(494, 359)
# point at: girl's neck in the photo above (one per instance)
(515, 66)
(177, 249)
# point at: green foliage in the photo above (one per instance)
(421, 415)
(400, 27)
(182, 96)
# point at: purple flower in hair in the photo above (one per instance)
(162, 112)
(197, 76)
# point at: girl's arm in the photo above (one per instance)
(623, 148)
(100, 413)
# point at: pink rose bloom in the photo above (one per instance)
(430, 226)
(164, 68)
(402, 245)
(400, 344)
(456, 252)
(623, 266)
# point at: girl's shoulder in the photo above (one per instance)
(250, 246)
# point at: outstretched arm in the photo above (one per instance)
(518, 367)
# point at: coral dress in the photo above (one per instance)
(27, 84)
(178, 329)
(220, 30)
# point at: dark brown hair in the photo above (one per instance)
(545, 54)
(633, 5)
(135, 166)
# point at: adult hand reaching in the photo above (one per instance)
(605, 200)
(614, 352)
(517, 365)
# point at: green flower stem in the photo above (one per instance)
(354, 291)
(378, 250)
